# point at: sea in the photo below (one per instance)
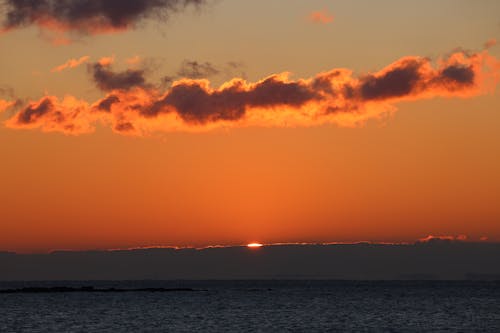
(250, 306)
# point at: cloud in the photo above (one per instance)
(197, 70)
(6, 91)
(69, 116)
(435, 239)
(398, 80)
(192, 69)
(72, 63)
(135, 60)
(107, 61)
(320, 17)
(88, 17)
(196, 103)
(5, 105)
(134, 107)
(108, 80)
(490, 43)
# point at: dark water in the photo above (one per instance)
(256, 306)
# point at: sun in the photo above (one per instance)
(254, 245)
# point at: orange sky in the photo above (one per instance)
(393, 163)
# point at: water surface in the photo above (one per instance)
(255, 306)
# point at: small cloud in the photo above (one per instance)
(197, 70)
(72, 63)
(320, 17)
(6, 91)
(432, 238)
(107, 79)
(106, 61)
(135, 60)
(4, 104)
(192, 69)
(490, 43)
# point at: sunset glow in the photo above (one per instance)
(184, 124)
(273, 166)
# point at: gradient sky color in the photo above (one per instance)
(431, 168)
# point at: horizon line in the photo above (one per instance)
(426, 240)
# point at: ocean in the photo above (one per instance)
(251, 306)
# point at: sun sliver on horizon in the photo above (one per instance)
(254, 245)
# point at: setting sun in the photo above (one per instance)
(254, 245)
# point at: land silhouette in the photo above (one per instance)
(433, 260)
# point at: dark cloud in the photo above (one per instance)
(458, 73)
(324, 82)
(167, 80)
(124, 127)
(197, 70)
(6, 91)
(32, 112)
(195, 104)
(396, 82)
(408, 77)
(108, 80)
(69, 116)
(88, 16)
(106, 103)
(192, 69)
(329, 97)
(273, 92)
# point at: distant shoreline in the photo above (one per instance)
(434, 261)
(89, 289)
(251, 285)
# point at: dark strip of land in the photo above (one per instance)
(433, 260)
(38, 290)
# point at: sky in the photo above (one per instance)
(195, 123)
